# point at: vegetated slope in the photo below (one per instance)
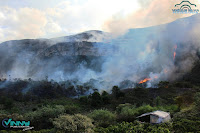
(166, 52)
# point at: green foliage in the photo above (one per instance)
(65, 122)
(116, 92)
(30, 131)
(96, 99)
(84, 100)
(182, 125)
(14, 116)
(41, 117)
(121, 106)
(72, 123)
(187, 120)
(135, 127)
(72, 109)
(46, 111)
(105, 98)
(7, 102)
(47, 114)
(197, 100)
(184, 100)
(129, 113)
(169, 108)
(102, 117)
(3, 112)
(145, 109)
(157, 101)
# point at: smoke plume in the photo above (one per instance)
(125, 60)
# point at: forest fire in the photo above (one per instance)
(175, 47)
(165, 70)
(145, 80)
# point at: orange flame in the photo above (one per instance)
(175, 47)
(174, 55)
(145, 80)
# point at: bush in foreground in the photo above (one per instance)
(73, 123)
(102, 117)
(41, 118)
(135, 127)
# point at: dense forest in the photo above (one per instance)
(50, 108)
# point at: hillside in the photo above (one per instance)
(163, 52)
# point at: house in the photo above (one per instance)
(155, 117)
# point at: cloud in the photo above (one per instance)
(21, 23)
(58, 18)
(35, 19)
(152, 13)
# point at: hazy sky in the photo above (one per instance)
(52, 18)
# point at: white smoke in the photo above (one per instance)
(138, 54)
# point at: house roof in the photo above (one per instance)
(157, 113)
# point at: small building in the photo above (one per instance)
(155, 117)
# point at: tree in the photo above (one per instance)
(157, 101)
(96, 99)
(105, 97)
(116, 92)
(84, 99)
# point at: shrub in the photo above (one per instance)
(14, 116)
(72, 109)
(129, 113)
(41, 118)
(83, 122)
(121, 106)
(72, 123)
(65, 122)
(46, 111)
(197, 100)
(169, 108)
(134, 127)
(145, 108)
(103, 118)
(185, 125)
(30, 131)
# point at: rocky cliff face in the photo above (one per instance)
(30, 57)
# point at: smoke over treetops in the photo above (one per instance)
(163, 52)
